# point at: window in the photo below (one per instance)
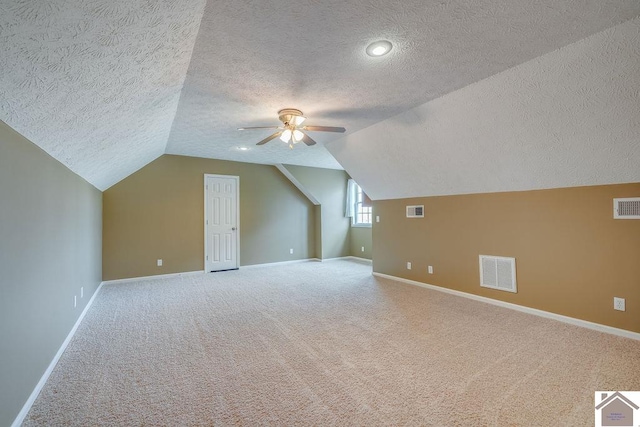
(362, 213)
(358, 206)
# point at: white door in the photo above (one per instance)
(221, 215)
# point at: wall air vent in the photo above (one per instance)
(626, 208)
(498, 273)
(416, 211)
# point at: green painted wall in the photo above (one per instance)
(361, 237)
(317, 228)
(158, 213)
(50, 247)
(329, 187)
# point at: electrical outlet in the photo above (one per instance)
(362, 249)
(291, 251)
(75, 301)
(618, 304)
(159, 263)
(82, 292)
(430, 269)
(408, 266)
(377, 218)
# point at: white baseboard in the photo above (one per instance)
(159, 276)
(357, 258)
(269, 264)
(566, 319)
(345, 258)
(296, 261)
(36, 391)
(266, 264)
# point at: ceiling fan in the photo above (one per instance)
(292, 132)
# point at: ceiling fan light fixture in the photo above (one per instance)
(297, 135)
(379, 48)
(286, 135)
(289, 133)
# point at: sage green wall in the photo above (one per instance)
(50, 247)
(329, 187)
(318, 230)
(361, 236)
(158, 212)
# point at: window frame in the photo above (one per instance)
(360, 211)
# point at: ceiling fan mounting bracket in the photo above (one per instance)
(285, 115)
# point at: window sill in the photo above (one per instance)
(361, 225)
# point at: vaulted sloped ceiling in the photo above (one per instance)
(568, 118)
(108, 86)
(95, 83)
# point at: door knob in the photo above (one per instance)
(233, 229)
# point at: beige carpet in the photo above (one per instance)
(323, 344)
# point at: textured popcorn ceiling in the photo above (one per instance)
(253, 58)
(95, 83)
(568, 118)
(99, 84)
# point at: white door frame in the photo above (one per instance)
(237, 234)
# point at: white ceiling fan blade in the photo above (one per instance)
(260, 127)
(324, 129)
(269, 138)
(308, 140)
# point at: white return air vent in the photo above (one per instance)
(626, 208)
(416, 211)
(498, 272)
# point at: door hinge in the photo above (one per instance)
(206, 186)
(207, 257)
(207, 222)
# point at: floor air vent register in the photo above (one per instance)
(498, 273)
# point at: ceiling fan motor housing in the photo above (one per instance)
(287, 114)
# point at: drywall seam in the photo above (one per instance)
(43, 380)
(297, 183)
(541, 313)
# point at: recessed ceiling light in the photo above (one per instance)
(379, 48)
